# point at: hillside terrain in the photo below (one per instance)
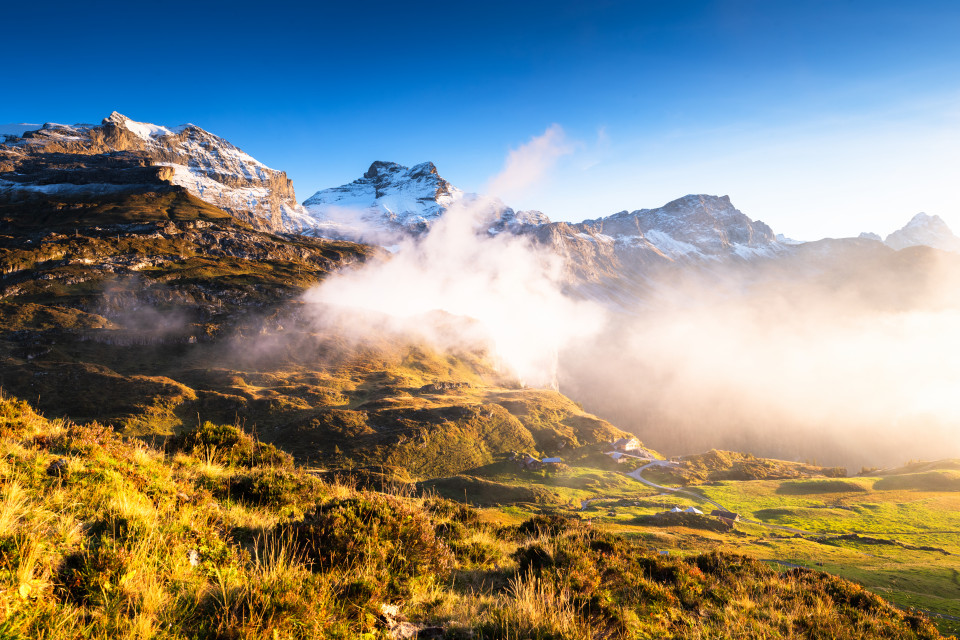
(219, 536)
(146, 310)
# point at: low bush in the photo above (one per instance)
(382, 537)
(229, 445)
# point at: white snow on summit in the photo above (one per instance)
(208, 166)
(389, 197)
(145, 130)
(782, 239)
(392, 201)
(926, 230)
(694, 226)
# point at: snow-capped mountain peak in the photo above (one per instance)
(44, 160)
(782, 239)
(927, 230)
(143, 130)
(695, 223)
(388, 195)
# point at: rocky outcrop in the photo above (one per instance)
(121, 154)
(443, 386)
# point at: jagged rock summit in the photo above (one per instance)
(926, 230)
(696, 228)
(695, 224)
(388, 196)
(121, 154)
(391, 201)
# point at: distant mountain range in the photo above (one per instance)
(388, 203)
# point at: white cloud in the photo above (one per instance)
(529, 163)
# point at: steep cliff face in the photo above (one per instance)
(388, 195)
(388, 202)
(121, 154)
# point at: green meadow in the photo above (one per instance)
(897, 534)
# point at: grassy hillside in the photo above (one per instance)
(220, 536)
(149, 310)
(732, 465)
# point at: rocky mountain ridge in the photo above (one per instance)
(123, 155)
(410, 200)
(387, 203)
(391, 202)
(404, 202)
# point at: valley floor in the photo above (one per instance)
(898, 535)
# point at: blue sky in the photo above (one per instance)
(820, 118)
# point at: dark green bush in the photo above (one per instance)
(552, 524)
(86, 576)
(268, 486)
(379, 536)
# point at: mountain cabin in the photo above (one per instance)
(627, 444)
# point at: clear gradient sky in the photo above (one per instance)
(822, 118)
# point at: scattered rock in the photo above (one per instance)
(403, 631)
(441, 387)
(58, 468)
(399, 629)
(390, 612)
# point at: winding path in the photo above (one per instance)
(637, 474)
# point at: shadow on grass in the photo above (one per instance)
(806, 487)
